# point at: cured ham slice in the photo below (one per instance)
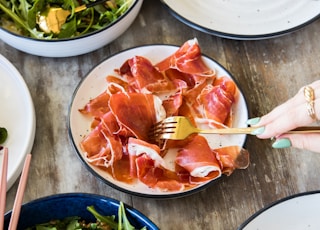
(146, 170)
(136, 112)
(157, 177)
(95, 144)
(187, 59)
(217, 100)
(145, 161)
(226, 84)
(117, 85)
(109, 122)
(138, 147)
(101, 148)
(231, 158)
(198, 159)
(173, 104)
(143, 76)
(98, 106)
(169, 185)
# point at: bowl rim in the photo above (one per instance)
(275, 203)
(139, 194)
(61, 196)
(114, 23)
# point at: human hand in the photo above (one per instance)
(290, 115)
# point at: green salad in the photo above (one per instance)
(102, 222)
(20, 16)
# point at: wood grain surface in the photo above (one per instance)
(268, 73)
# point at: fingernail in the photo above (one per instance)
(258, 131)
(253, 121)
(281, 143)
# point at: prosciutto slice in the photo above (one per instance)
(217, 100)
(143, 76)
(198, 159)
(136, 112)
(101, 148)
(147, 172)
(157, 177)
(187, 59)
(98, 106)
(138, 147)
(231, 158)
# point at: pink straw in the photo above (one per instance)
(19, 196)
(3, 186)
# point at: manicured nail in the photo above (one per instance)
(281, 143)
(253, 121)
(258, 131)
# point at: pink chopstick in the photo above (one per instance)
(19, 196)
(3, 185)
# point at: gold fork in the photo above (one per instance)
(179, 128)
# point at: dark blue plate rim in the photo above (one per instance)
(134, 213)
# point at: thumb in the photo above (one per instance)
(309, 141)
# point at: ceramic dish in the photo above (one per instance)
(244, 19)
(76, 45)
(61, 206)
(94, 83)
(17, 116)
(295, 212)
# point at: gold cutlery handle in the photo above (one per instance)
(247, 130)
(306, 129)
(250, 130)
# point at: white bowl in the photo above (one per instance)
(73, 46)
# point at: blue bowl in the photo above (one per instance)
(60, 206)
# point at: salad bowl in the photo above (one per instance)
(61, 206)
(73, 45)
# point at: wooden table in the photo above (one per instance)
(268, 72)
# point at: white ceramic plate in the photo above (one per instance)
(245, 19)
(296, 212)
(95, 83)
(17, 116)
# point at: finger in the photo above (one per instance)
(292, 103)
(309, 141)
(290, 118)
(290, 114)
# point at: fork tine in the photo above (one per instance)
(155, 131)
(166, 135)
(161, 128)
(158, 133)
(170, 120)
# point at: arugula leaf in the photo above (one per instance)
(38, 5)
(68, 29)
(24, 9)
(75, 222)
(20, 22)
(69, 223)
(110, 220)
(123, 219)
